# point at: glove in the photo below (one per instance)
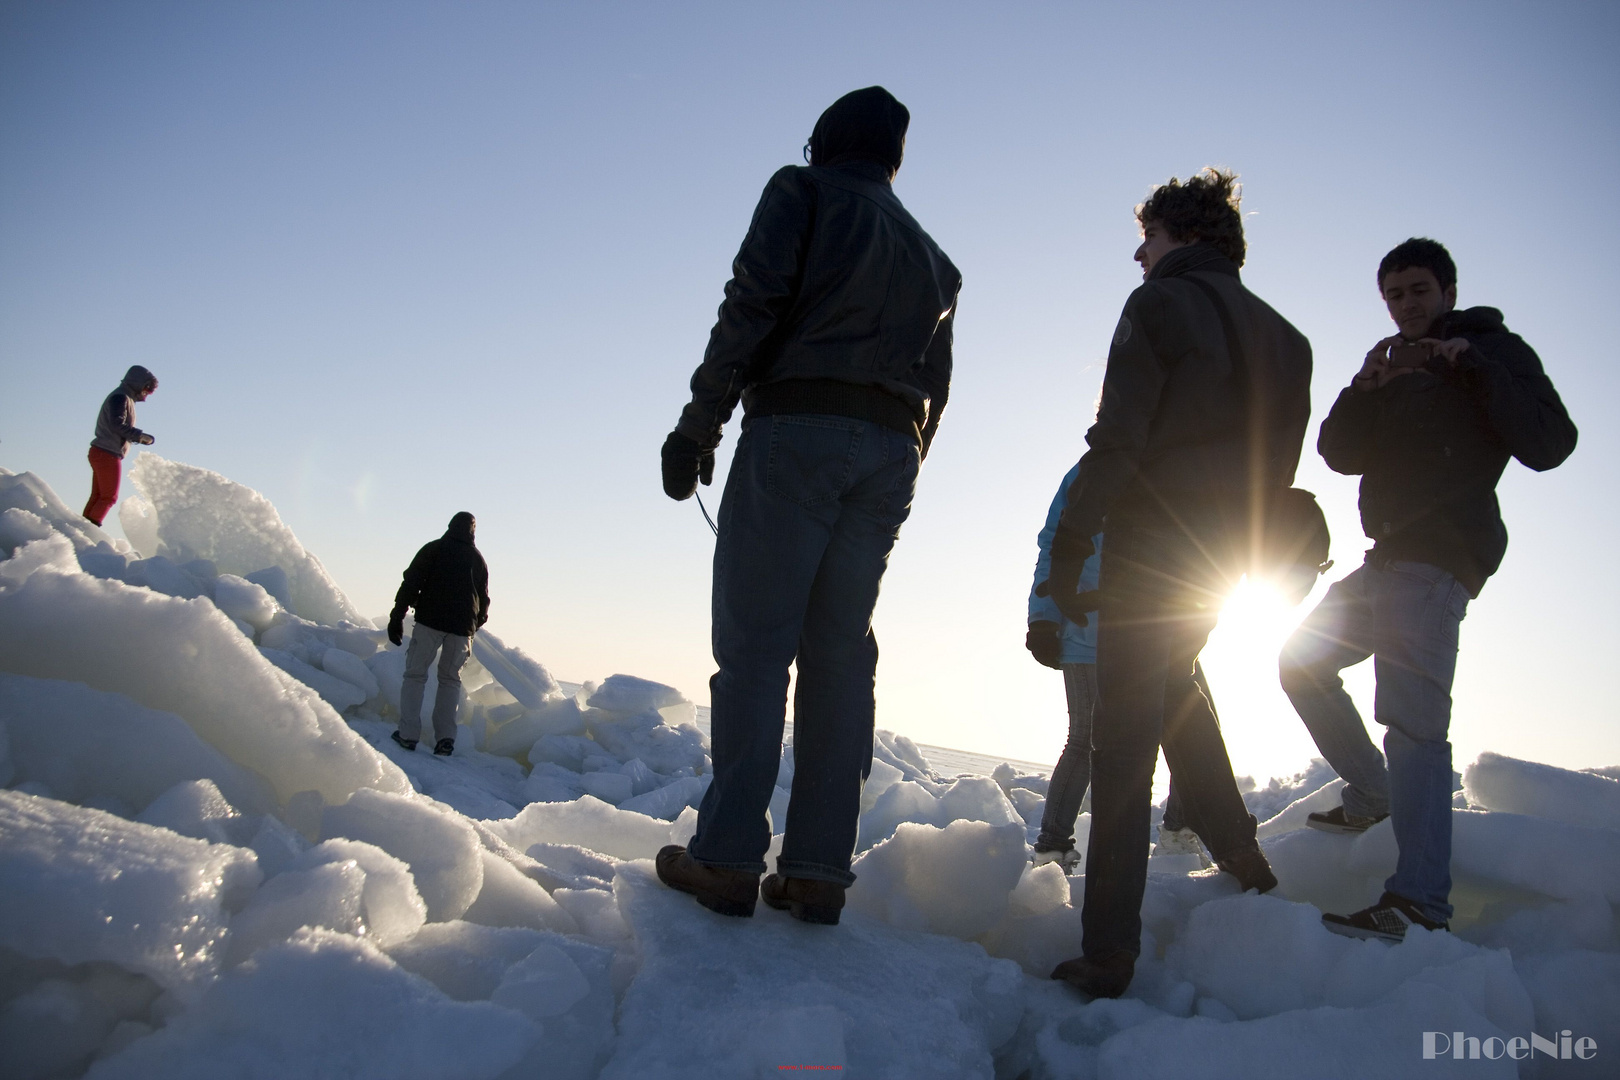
(1045, 642)
(685, 463)
(396, 628)
(1070, 551)
(145, 439)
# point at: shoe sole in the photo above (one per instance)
(1345, 930)
(819, 914)
(1337, 830)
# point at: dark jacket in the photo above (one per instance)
(1172, 441)
(115, 423)
(839, 302)
(1430, 447)
(447, 583)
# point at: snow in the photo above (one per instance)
(213, 862)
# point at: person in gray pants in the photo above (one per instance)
(448, 585)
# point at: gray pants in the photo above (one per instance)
(452, 650)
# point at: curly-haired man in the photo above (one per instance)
(1204, 409)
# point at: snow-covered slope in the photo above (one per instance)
(214, 863)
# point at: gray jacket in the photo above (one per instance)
(115, 424)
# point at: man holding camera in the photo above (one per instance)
(1429, 423)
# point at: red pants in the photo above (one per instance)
(104, 473)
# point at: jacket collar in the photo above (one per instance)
(1185, 260)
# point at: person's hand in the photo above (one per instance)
(145, 439)
(1451, 348)
(1044, 640)
(396, 630)
(685, 463)
(1376, 369)
(1070, 550)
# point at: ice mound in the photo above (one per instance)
(770, 993)
(213, 861)
(79, 885)
(187, 513)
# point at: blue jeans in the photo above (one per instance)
(1406, 616)
(812, 507)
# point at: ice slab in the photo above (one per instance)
(198, 513)
(326, 1005)
(80, 885)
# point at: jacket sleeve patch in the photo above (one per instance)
(1122, 332)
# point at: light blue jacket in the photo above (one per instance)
(1079, 642)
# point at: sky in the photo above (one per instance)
(395, 260)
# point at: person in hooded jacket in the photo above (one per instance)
(1204, 407)
(1429, 423)
(448, 585)
(835, 337)
(115, 430)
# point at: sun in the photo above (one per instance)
(1262, 731)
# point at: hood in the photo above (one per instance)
(1199, 256)
(1474, 320)
(863, 125)
(462, 527)
(138, 378)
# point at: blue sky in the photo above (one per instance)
(394, 260)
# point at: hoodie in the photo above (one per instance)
(1431, 446)
(115, 424)
(447, 583)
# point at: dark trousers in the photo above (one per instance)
(812, 507)
(1161, 594)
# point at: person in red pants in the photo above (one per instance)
(115, 430)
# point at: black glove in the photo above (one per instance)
(1045, 642)
(685, 463)
(1070, 551)
(396, 628)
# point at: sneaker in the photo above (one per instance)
(408, 744)
(806, 899)
(1251, 869)
(1181, 842)
(1068, 858)
(729, 892)
(1386, 920)
(1109, 977)
(1337, 821)
(444, 747)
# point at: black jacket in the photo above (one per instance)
(448, 585)
(1430, 447)
(839, 302)
(1172, 441)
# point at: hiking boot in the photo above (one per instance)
(1251, 869)
(1337, 821)
(1067, 857)
(408, 744)
(806, 899)
(444, 747)
(1109, 977)
(729, 892)
(1386, 920)
(1181, 842)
